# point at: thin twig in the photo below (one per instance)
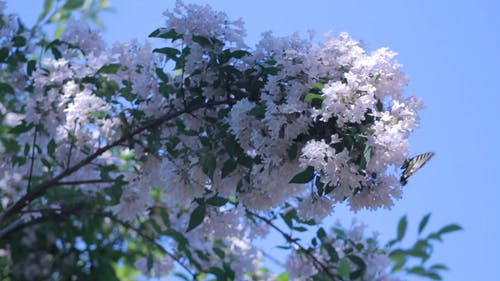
(318, 264)
(273, 259)
(84, 182)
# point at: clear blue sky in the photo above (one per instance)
(451, 51)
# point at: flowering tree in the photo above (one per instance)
(175, 160)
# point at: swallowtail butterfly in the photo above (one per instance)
(413, 164)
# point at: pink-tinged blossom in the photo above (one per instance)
(241, 125)
(190, 19)
(135, 200)
(299, 266)
(269, 187)
(315, 153)
(80, 34)
(382, 195)
(181, 184)
(160, 267)
(315, 208)
(8, 28)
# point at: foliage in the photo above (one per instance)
(175, 160)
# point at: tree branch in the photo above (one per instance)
(40, 189)
(85, 182)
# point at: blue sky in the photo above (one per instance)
(451, 52)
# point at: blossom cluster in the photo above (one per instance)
(208, 117)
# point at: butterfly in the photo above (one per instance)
(413, 164)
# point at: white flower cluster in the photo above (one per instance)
(363, 116)
(281, 108)
(196, 20)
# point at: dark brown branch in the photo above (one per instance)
(85, 182)
(40, 189)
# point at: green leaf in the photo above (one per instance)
(21, 128)
(367, 155)
(379, 106)
(19, 41)
(439, 267)
(181, 240)
(219, 274)
(292, 151)
(164, 216)
(344, 268)
(300, 228)
(321, 233)
(161, 75)
(161, 33)
(361, 266)
(450, 228)
(228, 167)
(423, 223)
(30, 67)
(435, 236)
(217, 201)
(417, 270)
(155, 226)
(111, 68)
(258, 111)
(418, 253)
(358, 261)
(171, 53)
(313, 96)
(73, 4)
(329, 188)
(282, 277)
(46, 163)
(240, 53)
(319, 86)
(6, 89)
(219, 252)
(332, 253)
(304, 177)
(47, 6)
(232, 147)
(288, 218)
(403, 223)
(4, 54)
(51, 147)
(433, 276)
(208, 165)
(245, 161)
(150, 261)
(56, 53)
(203, 41)
(196, 217)
(398, 266)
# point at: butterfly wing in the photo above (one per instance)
(412, 165)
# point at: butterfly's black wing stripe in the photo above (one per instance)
(412, 165)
